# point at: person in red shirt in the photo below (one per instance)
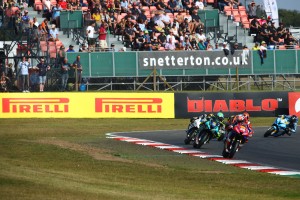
(102, 35)
(63, 4)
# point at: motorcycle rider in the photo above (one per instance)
(220, 119)
(238, 122)
(249, 125)
(292, 122)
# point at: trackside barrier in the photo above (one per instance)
(146, 105)
(126, 64)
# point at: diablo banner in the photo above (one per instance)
(194, 59)
(86, 105)
(260, 104)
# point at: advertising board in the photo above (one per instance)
(87, 105)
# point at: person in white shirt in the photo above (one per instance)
(171, 37)
(90, 32)
(200, 4)
(24, 73)
(53, 33)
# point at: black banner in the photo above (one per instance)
(194, 59)
(259, 104)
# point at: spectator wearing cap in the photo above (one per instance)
(112, 47)
(200, 35)
(25, 20)
(43, 68)
(71, 49)
(155, 44)
(234, 48)
(264, 34)
(147, 36)
(83, 48)
(186, 44)
(53, 33)
(102, 35)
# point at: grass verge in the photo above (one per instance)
(72, 159)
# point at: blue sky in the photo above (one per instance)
(282, 4)
(289, 4)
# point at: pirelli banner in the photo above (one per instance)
(194, 59)
(260, 104)
(87, 105)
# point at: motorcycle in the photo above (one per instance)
(278, 128)
(238, 136)
(192, 129)
(207, 131)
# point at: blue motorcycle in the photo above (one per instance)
(279, 127)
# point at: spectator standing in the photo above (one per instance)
(61, 54)
(24, 73)
(25, 21)
(78, 69)
(102, 35)
(34, 79)
(56, 15)
(43, 68)
(252, 10)
(65, 68)
(90, 32)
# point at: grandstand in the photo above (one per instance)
(230, 25)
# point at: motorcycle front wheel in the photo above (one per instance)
(269, 132)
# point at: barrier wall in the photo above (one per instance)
(146, 105)
(125, 64)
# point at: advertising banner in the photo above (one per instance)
(260, 104)
(294, 103)
(271, 10)
(86, 105)
(194, 59)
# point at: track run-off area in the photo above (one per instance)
(275, 155)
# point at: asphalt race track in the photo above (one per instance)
(282, 152)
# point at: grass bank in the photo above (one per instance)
(72, 159)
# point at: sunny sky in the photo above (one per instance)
(284, 4)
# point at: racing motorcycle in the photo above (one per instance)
(237, 136)
(208, 130)
(278, 128)
(192, 129)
